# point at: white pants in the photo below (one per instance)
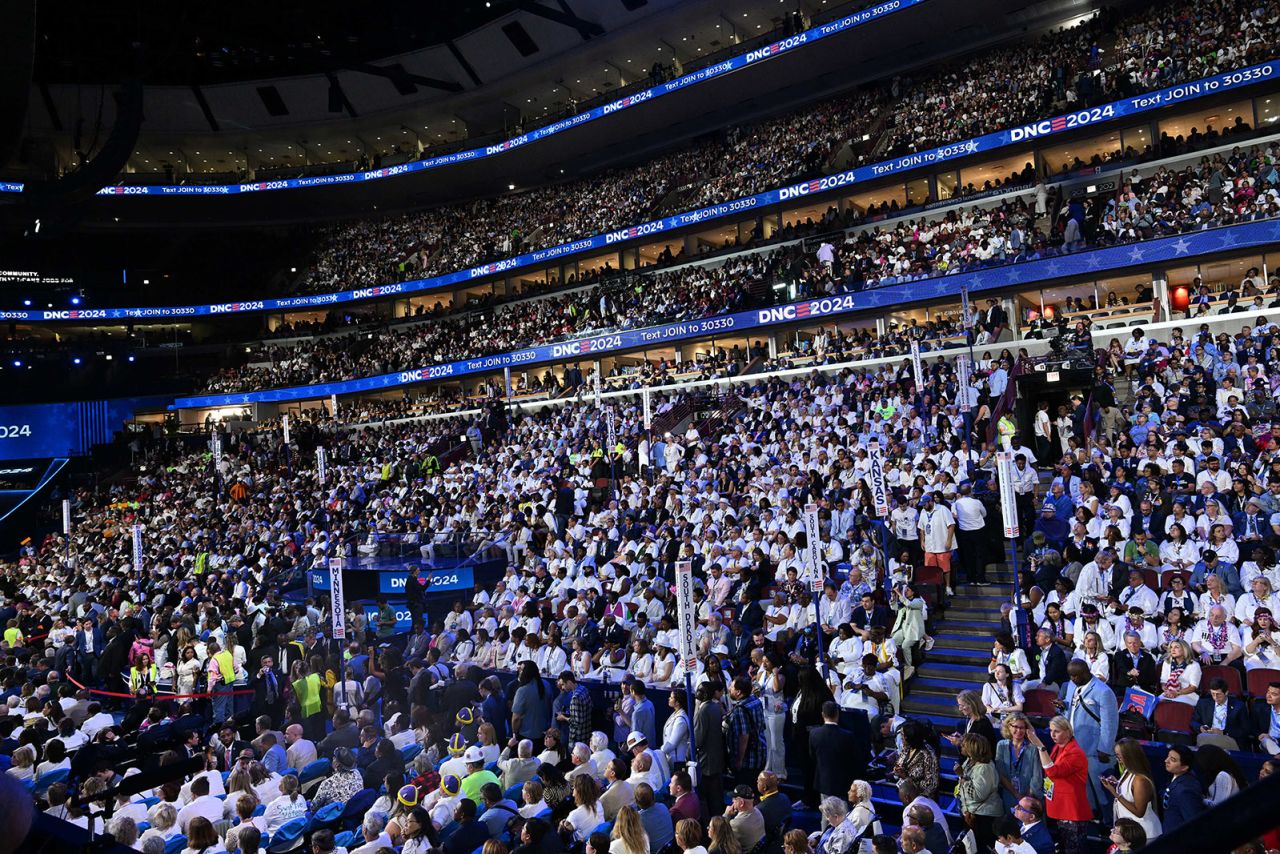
(775, 737)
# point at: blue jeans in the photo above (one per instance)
(222, 703)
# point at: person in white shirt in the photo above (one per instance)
(937, 536)
(1008, 833)
(203, 804)
(373, 831)
(971, 518)
(96, 721)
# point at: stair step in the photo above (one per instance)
(990, 616)
(972, 657)
(948, 641)
(979, 601)
(944, 723)
(933, 669)
(973, 629)
(931, 703)
(938, 685)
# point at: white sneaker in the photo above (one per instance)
(928, 643)
(909, 672)
(950, 592)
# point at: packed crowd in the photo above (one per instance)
(1065, 69)
(1222, 190)
(412, 729)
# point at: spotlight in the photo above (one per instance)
(26, 302)
(76, 360)
(131, 358)
(75, 300)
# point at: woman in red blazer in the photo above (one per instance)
(1066, 782)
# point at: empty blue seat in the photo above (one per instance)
(175, 845)
(289, 835)
(314, 770)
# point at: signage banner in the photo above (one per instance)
(66, 516)
(1008, 500)
(216, 442)
(813, 548)
(333, 405)
(337, 601)
(964, 383)
(966, 316)
(917, 369)
(1178, 247)
(595, 384)
(611, 432)
(876, 479)
(648, 408)
(322, 459)
(719, 69)
(995, 140)
(284, 424)
(687, 625)
(442, 581)
(137, 547)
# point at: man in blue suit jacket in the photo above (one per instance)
(1030, 811)
(1183, 797)
(1221, 715)
(1091, 708)
(89, 646)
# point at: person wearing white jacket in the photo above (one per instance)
(675, 732)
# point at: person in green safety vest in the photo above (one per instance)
(306, 689)
(143, 676)
(1005, 427)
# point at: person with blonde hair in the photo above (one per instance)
(1180, 675)
(628, 834)
(163, 819)
(689, 836)
(531, 793)
(1066, 766)
(723, 839)
(975, 719)
(288, 806)
(794, 842)
(1017, 761)
(24, 763)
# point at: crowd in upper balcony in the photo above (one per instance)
(1240, 186)
(1110, 56)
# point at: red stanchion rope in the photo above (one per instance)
(121, 696)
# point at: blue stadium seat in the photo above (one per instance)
(326, 815)
(356, 807)
(314, 770)
(289, 835)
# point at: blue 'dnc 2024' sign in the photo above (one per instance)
(1183, 247)
(1179, 94)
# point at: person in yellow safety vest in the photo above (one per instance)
(143, 676)
(13, 635)
(1006, 428)
(221, 671)
(202, 563)
(306, 688)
